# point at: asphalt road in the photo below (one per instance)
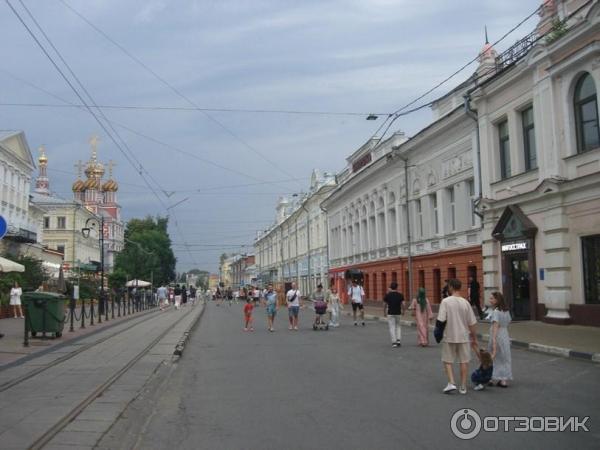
(346, 388)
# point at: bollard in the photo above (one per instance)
(44, 322)
(72, 308)
(91, 311)
(26, 326)
(105, 301)
(100, 305)
(112, 306)
(82, 313)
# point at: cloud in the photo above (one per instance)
(149, 11)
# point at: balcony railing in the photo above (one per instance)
(514, 53)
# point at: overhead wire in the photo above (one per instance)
(175, 90)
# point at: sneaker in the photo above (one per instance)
(398, 344)
(290, 328)
(479, 387)
(363, 324)
(245, 329)
(395, 344)
(449, 388)
(251, 329)
(355, 324)
(462, 390)
(296, 328)
(1, 335)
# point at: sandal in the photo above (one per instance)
(502, 384)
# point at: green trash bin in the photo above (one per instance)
(45, 312)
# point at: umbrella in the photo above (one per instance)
(137, 283)
(6, 265)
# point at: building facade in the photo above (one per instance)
(540, 147)
(243, 271)
(414, 195)
(294, 249)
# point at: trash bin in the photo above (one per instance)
(45, 312)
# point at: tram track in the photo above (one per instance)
(47, 437)
(22, 378)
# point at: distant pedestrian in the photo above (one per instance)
(271, 306)
(445, 290)
(229, 296)
(255, 295)
(483, 375)
(460, 322)
(392, 309)
(423, 315)
(293, 304)
(15, 300)
(473, 293)
(184, 294)
(248, 307)
(243, 294)
(193, 294)
(161, 294)
(177, 292)
(333, 307)
(499, 343)
(357, 295)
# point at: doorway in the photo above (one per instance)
(437, 286)
(520, 305)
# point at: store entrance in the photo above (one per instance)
(520, 293)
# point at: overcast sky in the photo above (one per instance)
(352, 56)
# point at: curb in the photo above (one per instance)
(530, 346)
(180, 346)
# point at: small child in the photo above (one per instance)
(248, 307)
(483, 375)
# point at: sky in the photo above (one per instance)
(218, 174)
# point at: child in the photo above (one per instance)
(483, 375)
(248, 307)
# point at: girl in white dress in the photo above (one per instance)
(499, 343)
(15, 300)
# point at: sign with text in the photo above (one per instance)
(515, 246)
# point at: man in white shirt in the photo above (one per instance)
(161, 293)
(356, 294)
(459, 331)
(293, 304)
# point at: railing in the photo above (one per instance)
(516, 51)
(95, 311)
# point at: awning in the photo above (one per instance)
(137, 283)
(6, 265)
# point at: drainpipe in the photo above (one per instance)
(408, 234)
(478, 188)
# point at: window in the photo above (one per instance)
(504, 149)
(529, 139)
(434, 208)
(452, 202)
(60, 249)
(471, 184)
(586, 114)
(591, 268)
(61, 223)
(46, 222)
(419, 217)
(392, 227)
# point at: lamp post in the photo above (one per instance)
(85, 231)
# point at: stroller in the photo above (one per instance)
(320, 310)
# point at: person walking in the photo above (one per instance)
(473, 293)
(255, 295)
(456, 312)
(248, 307)
(161, 294)
(392, 309)
(357, 295)
(499, 343)
(15, 300)
(293, 303)
(193, 295)
(177, 293)
(270, 297)
(184, 294)
(423, 315)
(333, 307)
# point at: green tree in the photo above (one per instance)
(29, 280)
(147, 253)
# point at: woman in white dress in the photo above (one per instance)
(499, 343)
(15, 300)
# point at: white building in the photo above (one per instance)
(540, 147)
(295, 247)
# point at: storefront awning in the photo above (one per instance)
(6, 265)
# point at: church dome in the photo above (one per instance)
(92, 183)
(78, 186)
(110, 186)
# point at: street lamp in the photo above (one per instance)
(85, 231)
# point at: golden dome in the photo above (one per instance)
(92, 183)
(110, 186)
(78, 186)
(42, 159)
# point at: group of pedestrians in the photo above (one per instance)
(178, 295)
(455, 326)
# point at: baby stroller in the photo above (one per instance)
(320, 310)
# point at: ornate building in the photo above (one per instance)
(93, 198)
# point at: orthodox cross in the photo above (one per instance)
(94, 143)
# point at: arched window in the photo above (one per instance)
(586, 114)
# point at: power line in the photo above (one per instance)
(174, 89)
(194, 109)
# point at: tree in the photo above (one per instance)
(222, 258)
(147, 254)
(29, 280)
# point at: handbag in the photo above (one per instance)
(438, 331)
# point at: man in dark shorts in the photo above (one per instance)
(356, 294)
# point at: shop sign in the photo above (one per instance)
(515, 246)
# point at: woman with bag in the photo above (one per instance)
(423, 315)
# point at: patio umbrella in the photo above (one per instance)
(137, 283)
(6, 265)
